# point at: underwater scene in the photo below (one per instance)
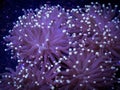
(59, 44)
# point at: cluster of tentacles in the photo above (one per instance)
(77, 49)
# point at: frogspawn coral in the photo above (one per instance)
(75, 49)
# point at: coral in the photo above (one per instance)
(28, 78)
(75, 49)
(40, 33)
(96, 30)
(87, 72)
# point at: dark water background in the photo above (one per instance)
(11, 9)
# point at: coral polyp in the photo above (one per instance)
(87, 72)
(40, 33)
(63, 49)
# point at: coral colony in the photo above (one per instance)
(77, 49)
